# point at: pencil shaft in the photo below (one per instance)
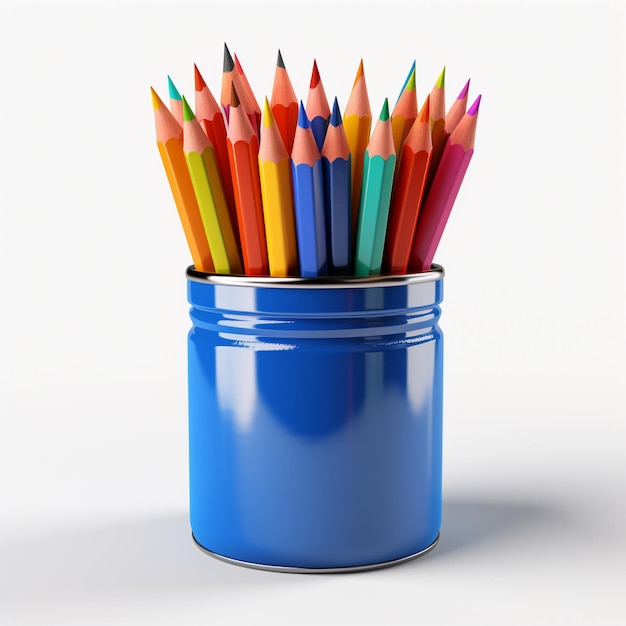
(308, 194)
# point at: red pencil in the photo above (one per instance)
(211, 118)
(250, 97)
(447, 181)
(284, 104)
(407, 193)
(243, 152)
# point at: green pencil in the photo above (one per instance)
(378, 169)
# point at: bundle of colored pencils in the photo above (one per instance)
(302, 190)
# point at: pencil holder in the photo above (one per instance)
(315, 419)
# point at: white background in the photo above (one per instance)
(93, 457)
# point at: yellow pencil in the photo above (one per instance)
(169, 136)
(357, 122)
(278, 212)
(209, 193)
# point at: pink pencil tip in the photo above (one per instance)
(464, 91)
(474, 108)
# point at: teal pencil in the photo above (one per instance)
(378, 169)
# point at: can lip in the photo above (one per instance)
(435, 273)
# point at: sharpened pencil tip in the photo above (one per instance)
(384, 114)
(335, 116)
(174, 94)
(359, 73)
(303, 120)
(410, 83)
(157, 103)
(187, 111)
(315, 76)
(268, 117)
(442, 79)
(474, 108)
(199, 82)
(464, 91)
(229, 64)
(279, 60)
(237, 64)
(234, 96)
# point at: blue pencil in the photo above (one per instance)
(308, 197)
(317, 109)
(337, 165)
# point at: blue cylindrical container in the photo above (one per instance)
(315, 419)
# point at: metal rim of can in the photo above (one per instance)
(435, 273)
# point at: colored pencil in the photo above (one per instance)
(406, 80)
(404, 113)
(207, 186)
(176, 102)
(437, 125)
(357, 122)
(308, 196)
(169, 136)
(230, 78)
(317, 109)
(211, 118)
(243, 154)
(378, 172)
(284, 104)
(336, 167)
(407, 193)
(456, 111)
(278, 212)
(250, 97)
(438, 204)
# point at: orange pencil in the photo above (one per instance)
(243, 153)
(357, 122)
(169, 135)
(405, 112)
(211, 118)
(437, 125)
(250, 97)
(407, 193)
(284, 104)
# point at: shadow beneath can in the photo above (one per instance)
(469, 523)
(72, 567)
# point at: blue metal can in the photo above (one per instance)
(315, 419)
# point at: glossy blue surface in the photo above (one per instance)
(315, 421)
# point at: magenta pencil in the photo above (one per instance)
(434, 214)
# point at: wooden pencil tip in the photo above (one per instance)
(464, 91)
(442, 79)
(174, 93)
(188, 115)
(157, 103)
(315, 76)
(237, 64)
(359, 73)
(473, 110)
(234, 96)
(199, 82)
(279, 61)
(229, 64)
(384, 114)
(268, 116)
(335, 116)
(303, 120)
